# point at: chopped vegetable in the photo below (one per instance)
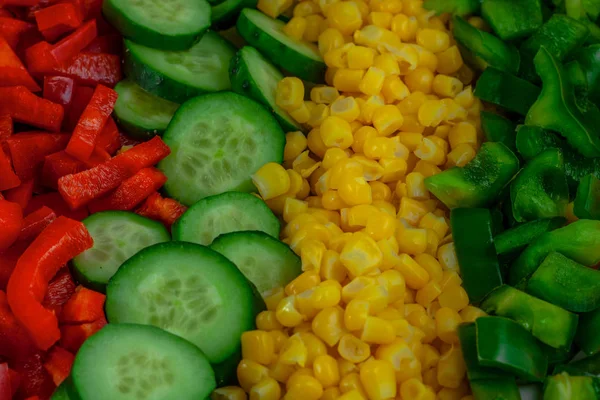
(164, 210)
(11, 219)
(498, 129)
(587, 338)
(13, 71)
(512, 20)
(507, 91)
(516, 239)
(587, 201)
(565, 387)
(23, 106)
(455, 7)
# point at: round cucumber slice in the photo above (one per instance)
(224, 213)
(226, 12)
(129, 361)
(217, 142)
(162, 24)
(180, 75)
(117, 235)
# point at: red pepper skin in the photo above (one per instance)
(9, 179)
(83, 307)
(92, 121)
(58, 364)
(93, 8)
(21, 194)
(58, 19)
(28, 151)
(73, 336)
(62, 240)
(5, 383)
(12, 29)
(109, 44)
(57, 165)
(12, 70)
(39, 59)
(65, 50)
(8, 261)
(81, 97)
(35, 223)
(109, 139)
(92, 69)
(160, 209)
(23, 106)
(5, 13)
(15, 381)
(59, 89)
(35, 380)
(6, 127)
(11, 220)
(55, 201)
(20, 3)
(15, 342)
(60, 290)
(79, 189)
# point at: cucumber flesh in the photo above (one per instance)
(129, 361)
(226, 12)
(142, 114)
(217, 142)
(265, 261)
(162, 24)
(252, 75)
(300, 58)
(224, 213)
(188, 290)
(117, 235)
(180, 75)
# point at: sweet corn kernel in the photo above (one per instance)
(318, 115)
(414, 389)
(428, 293)
(402, 358)
(387, 63)
(420, 79)
(267, 321)
(353, 349)
(447, 321)
(380, 18)
(377, 331)
(304, 387)
(306, 8)
(336, 132)
(332, 393)
(345, 17)
(416, 276)
(426, 168)
(430, 357)
(411, 210)
(267, 389)
(348, 80)
(294, 351)
(249, 373)
(346, 367)
(360, 254)
(295, 144)
(311, 254)
(271, 180)
(351, 384)
(465, 99)
(450, 278)
(295, 28)
(355, 314)
(412, 241)
(379, 379)
(369, 106)
(314, 23)
(415, 186)
(455, 298)
(387, 120)
(380, 191)
(326, 370)
(327, 294)
(433, 40)
(329, 39)
(446, 86)
(462, 133)
(228, 393)
(372, 81)
(465, 74)
(328, 325)
(471, 313)
(427, 59)
(287, 314)
(405, 26)
(273, 8)
(432, 112)
(431, 265)
(451, 368)
(346, 108)
(449, 61)
(361, 136)
(290, 93)
(293, 208)
(394, 281)
(381, 226)
(300, 115)
(430, 379)
(447, 257)
(355, 190)
(393, 169)
(360, 57)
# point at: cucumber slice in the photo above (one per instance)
(61, 392)
(225, 13)
(141, 114)
(217, 142)
(117, 235)
(224, 213)
(188, 290)
(129, 361)
(169, 25)
(301, 59)
(180, 75)
(265, 261)
(254, 76)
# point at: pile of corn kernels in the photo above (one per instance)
(375, 311)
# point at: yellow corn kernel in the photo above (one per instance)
(301, 115)
(431, 265)
(405, 26)
(332, 200)
(273, 8)
(447, 321)
(373, 36)
(376, 295)
(465, 99)
(447, 257)
(450, 278)
(379, 379)
(372, 81)
(451, 368)
(304, 387)
(326, 370)
(267, 321)
(402, 358)
(317, 146)
(352, 387)
(412, 241)
(426, 168)
(346, 108)
(438, 224)
(346, 367)
(393, 169)
(306, 8)
(369, 107)
(306, 280)
(471, 313)
(267, 389)
(387, 120)
(324, 94)
(295, 28)
(327, 294)
(411, 210)
(294, 351)
(453, 394)
(381, 226)
(359, 215)
(465, 74)
(287, 314)
(328, 325)
(449, 61)
(455, 298)
(355, 190)
(333, 156)
(353, 349)
(414, 389)
(411, 104)
(428, 293)
(430, 379)
(338, 58)
(479, 23)
(377, 331)
(290, 93)
(273, 297)
(430, 357)
(271, 180)
(394, 89)
(432, 112)
(314, 24)
(295, 143)
(394, 281)
(380, 191)
(332, 393)
(415, 186)
(311, 254)
(380, 18)
(325, 4)
(228, 393)
(329, 39)
(387, 63)
(360, 254)
(416, 276)
(385, 206)
(336, 132)
(314, 345)
(420, 79)
(389, 6)
(318, 115)
(249, 373)
(348, 80)
(410, 139)
(292, 208)
(462, 133)
(329, 75)
(361, 136)
(427, 59)
(446, 86)
(433, 40)
(345, 17)
(355, 314)
(360, 57)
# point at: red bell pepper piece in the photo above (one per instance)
(11, 220)
(8, 261)
(58, 364)
(93, 8)
(92, 69)
(35, 223)
(57, 165)
(81, 97)
(12, 29)
(60, 290)
(73, 336)
(62, 240)
(33, 398)
(109, 139)
(35, 380)
(28, 151)
(21, 194)
(5, 384)
(65, 50)
(55, 201)
(131, 192)
(83, 307)
(12, 70)
(6, 127)
(39, 59)
(58, 19)
(160, 209)
(109, 44)
(8, 178)
(5, 13)
(15, 342)
(23, 106)
(92, 121)
(79, 189)
(15, 380)
(59, 89)
(20, 3)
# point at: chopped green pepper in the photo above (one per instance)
(479, 268)
(516, 239)
(454, 7)
(559, 356)
(478, 183)
(589, 60)
(567, 284)
(482, 49)
(512, 19)
(589, 366)
(580, 241)
(496, 389)
(587, 200)
(566, 387)
(550, 324)
(506, 90)
(577, 77)
(497, 128)
(588, 333)
(533, 140)
(502, 343)
(556, 109)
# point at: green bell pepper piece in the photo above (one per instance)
(454, 7)
(580, 241)
(506, 91)
(567, 284)
(503, 343)
(589, 60)
(587, 200)
(512, 19)
(589, 366)
(482, 49)
(540, 190)
(577, 76)
(533, 140)
(559, 356)
(560, 35)
(478, 183)
(556, 109)
(475, 251)
(588, 334)
(497, 128)
(566, 387)
(496, 389)
(516, 239)
(548, 323)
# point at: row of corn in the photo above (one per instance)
(374, 314)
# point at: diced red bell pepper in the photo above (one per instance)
(59, 89)
(21, 194)
(35, 223)
(55, 201)
(23, 106)
(81, 97)
(28, 151)
(160, 209)
(93, 68)
(109, 139)
(83, 307)
(57, 165)
(8, 178)
(11, 220)
(8, 261)
(65, 50)
(12, 70)
(131, 192)
(62, 240)
(5, 13)
(35, 380)
(73, 336)
(60, 290)
(109, 44)
(15, 380)
(5, 384)
(20, 3)
(92, 121)
(93, 8)
(33, 398)
(58, 19)
(127, 140)
(58, 364)
(79, 189)
(15, 342)
(12, 29)
(6, 127)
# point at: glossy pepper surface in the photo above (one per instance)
(513, 240)
(566, 387)
(497, 128)
(23, 106)
(587, 334)
(512, 20)
(587, 200)
(506, 90)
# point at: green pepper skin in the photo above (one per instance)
(561, 281)
(587, 200)
(454, 7)
(588, 334)
(506, 91)
(512, 19)
(548, 323)
(580, 241)
(503, 343)
(533, 140)
(577, 77)
(478, 183)
(516, 239)
(497, 128)
(496, 389)
(556, 109)
(589, 366)
(589, 60)
(566, 387)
